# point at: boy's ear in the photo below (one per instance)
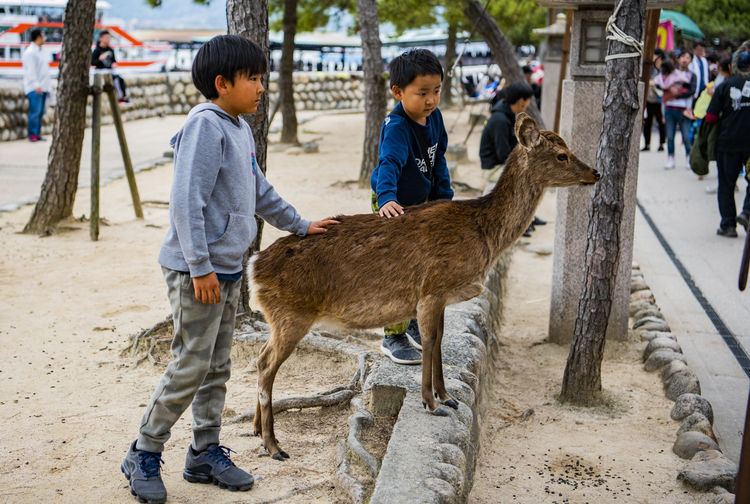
(527, 131)
(398, 93)
(221, 84)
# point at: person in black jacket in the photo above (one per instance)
(499, 137)
(103, 58)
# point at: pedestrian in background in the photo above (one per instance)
(103, 58)
(653, 106)
(730, 105)
(678, 85)
(36, 83)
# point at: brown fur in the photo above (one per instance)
(370, 271)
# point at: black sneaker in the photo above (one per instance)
(413, 335)
(661, 148)
(400, 350)
(529, 230)
(213, 465)
(538, 221)
(742, 220)
(143, 470)
(729, 232)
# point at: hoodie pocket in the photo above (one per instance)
(227, 250)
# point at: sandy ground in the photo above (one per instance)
(618, 452)
(70, 402)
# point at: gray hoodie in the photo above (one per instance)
(217, 189)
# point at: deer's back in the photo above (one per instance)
(367, 257)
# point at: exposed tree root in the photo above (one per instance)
(346, 480)
(332, 397)
(362, 417)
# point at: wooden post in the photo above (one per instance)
(110, 89)
(563, 66)
(652, 27)
(743, 473)
(96, 136)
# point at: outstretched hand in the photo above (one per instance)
(321, 226)
(391, 209)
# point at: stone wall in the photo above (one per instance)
(174, 93)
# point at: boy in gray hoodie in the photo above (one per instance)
(217, 189)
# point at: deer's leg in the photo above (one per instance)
(429, 312)
(284, 339)
(438, 383)
(257, 419)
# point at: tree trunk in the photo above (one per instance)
(249, 19)
(502, 50)
(375, 94)
(64, 160)
(446, 95)
(286, 74)
(621, 108)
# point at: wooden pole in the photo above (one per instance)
(110, 88)
(743, 473)
(563, 66)
(96, 134)
(652, 28)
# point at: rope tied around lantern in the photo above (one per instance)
(620, 36)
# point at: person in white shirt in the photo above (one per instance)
(36, 83)
(699, 66)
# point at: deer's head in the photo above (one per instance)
(549, 156)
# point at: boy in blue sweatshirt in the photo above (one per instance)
(411, 165)
(217, 189)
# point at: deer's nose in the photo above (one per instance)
(597, 175)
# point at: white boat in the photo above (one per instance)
(18, 18)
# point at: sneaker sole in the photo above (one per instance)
(134, 494)
(417, 345)
(397, 360)
(207, 478)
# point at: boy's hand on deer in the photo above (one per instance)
(391, 209)
(321, 226)
(207, 288)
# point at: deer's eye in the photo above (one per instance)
(562, 157)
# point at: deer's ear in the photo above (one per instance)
(527, 131)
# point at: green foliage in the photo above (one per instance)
(516, 19)
(311, 14)
(728, 20)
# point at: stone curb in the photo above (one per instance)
(707, 469)
(432, 459)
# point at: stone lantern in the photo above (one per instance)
(552, 54)
(581, 126)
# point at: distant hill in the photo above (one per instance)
(173, 14)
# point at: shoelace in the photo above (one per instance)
(150, 463)
(220, 454)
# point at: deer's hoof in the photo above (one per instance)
(451, 403)
(257, 433)
(280, 455)
(441, 412)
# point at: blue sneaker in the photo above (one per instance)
(143, 471)
(400, 350)
(213, 465)
(413, 335)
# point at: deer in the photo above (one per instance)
(369, 271)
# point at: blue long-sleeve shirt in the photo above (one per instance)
(401, 174)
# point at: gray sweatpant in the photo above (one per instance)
(200, 365)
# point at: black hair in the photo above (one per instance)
(667, 67)
(103, 33)
(699, 43)
(686, 51)
(527, 69)
(228, 56)
(517, 91)
(415, 62)
(35, 34)
(660, 53)
(726, 64)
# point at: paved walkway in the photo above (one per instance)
(677, 204)
(23, 165)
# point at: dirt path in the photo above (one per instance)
(621, 452)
